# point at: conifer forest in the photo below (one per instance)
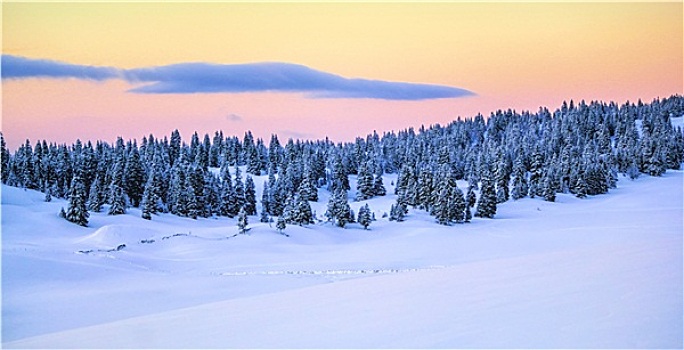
(578, 148)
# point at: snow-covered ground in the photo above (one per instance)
(603, 271)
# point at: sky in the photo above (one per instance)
(312, 70)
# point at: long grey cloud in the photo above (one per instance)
(188, 78)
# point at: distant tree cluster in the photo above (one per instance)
(578, 149)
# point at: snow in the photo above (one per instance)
(604, 271)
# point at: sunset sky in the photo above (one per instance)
(310, 70)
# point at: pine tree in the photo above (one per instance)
(303, 215)
(340, 180)
(239, 189)
(250, 197)
(117, 177)
(242, 222)
(118, 201)
(471, 199)
(289, 210)
(364, 216)
(76, 211)
(458, 205)
(378, 186)
(398, 211)
(581, 187)
(265, 200)
(519, 180)
(263, 216)
(426, 195)
(94, 197)
(502, 179)
(486, 205)
(549, 190)
(442, 207)
(227, 200)
(134, 178)
(310, 189)
(4, 160)
(339, 211)
(149, 201)
(281, 225)
(364, 184)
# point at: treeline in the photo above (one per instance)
(578, 148)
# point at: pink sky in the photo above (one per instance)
(518, 56)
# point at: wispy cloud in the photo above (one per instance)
(232, 117)
(16, 67)
(296, 134)
(186, 78)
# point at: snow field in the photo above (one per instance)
(605, 271)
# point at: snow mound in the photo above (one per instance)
(109, 236)
(20, 196)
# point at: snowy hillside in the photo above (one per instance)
(604, 271)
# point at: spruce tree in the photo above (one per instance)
(549, 190)
(242, 222)
(149, 201)
(76, 211)
(118, 201)
(263, 216)
(458, 205)
(398, 211)
(134, 178)
(486, 205)
(502, 179)
(303, 212)
(239, 189)
(364, 216)
(289, 210)
(227, 206)
(4, 160)
(340, 180)
(94, 197)
(281, 225)
(250, 197)
(364, 184)
(519, 189)
(442, 207)
(471, 199)
(339, 211)
(265, 201)
(310, 189)
(378, 186)
(581, 187)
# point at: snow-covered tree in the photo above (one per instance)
(486, 205)
(339, 211)
(242, 222)
(76, 211)
(250, 196)
(118, 201)
(364, 216)
(280, 225)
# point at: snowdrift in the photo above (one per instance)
(604, 271)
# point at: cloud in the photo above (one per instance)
(16, 67)
(296, 134)
(233, 118)
(280, 77)
(187, 78)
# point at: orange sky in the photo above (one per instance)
(512, 55)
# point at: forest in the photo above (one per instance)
(579, 148)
